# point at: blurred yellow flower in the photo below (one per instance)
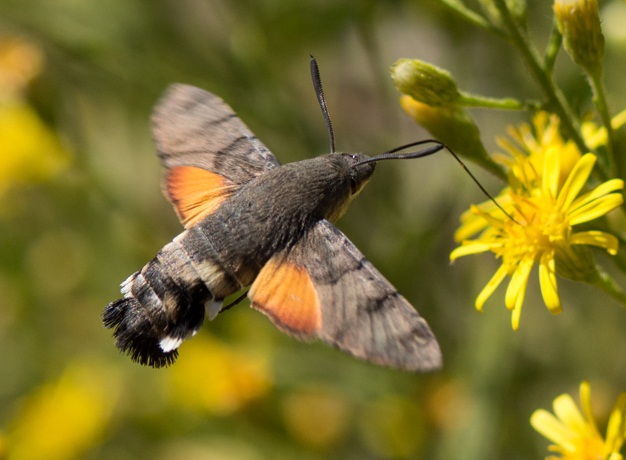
(3, 445)
(63, 420)
(575, 434)
(209, 376)
(20, 62)
(317, 415)
(546, 176)
(393, 426)
(31, 152)
(595, 135)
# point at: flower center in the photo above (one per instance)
(539, 226)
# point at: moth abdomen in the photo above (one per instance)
(133, 334)
(163, 305)
(214, 258)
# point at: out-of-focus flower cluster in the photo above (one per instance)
(31, 151)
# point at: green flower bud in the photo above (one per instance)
(575, 262)
(454, 127)
(579, 23)
(425, 82)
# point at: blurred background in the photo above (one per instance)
(81, 209)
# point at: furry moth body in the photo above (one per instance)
(251, 222)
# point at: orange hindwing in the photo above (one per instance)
(196, 192)
(285, 292)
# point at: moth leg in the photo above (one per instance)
(213, 307)
(237, 301)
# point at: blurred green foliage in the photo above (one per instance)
(81, 210)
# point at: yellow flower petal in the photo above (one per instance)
(469, 228)
(517, 311)
(576, 180)
(601, 190)
(595, 136)
(552, 428)
(469, 247)
(596, 238)
(585, 402)
(491, 286)
(551, 172)
(493, 220)
(516, 291)
(595, 209)
(472, 223)
(566, 410)
(547, 280)
(616, 429)
(518, 283)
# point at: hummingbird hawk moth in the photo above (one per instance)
(252, 222)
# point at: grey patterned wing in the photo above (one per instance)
(353, 307)
(193, 127)
(362, 312)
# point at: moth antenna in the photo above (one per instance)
(319, 92)
(392, 155)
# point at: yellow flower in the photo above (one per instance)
(318, 415)
(595, 135)
(210, 376)
(20, 63)
(575, 434)
(31, 151)
(544, 202)
(65, 419)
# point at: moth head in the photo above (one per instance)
(349, 178)
(361, 167)
(359, 173)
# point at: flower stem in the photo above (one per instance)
(612, 163)
(552, 50)
(604, 282)
(458, 7)
(556, 99)
(473, 100)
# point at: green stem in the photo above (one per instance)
(472, 100)
(604, 282)
(556, 99)
(552, 50)
(612, 163)
(458, 7)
